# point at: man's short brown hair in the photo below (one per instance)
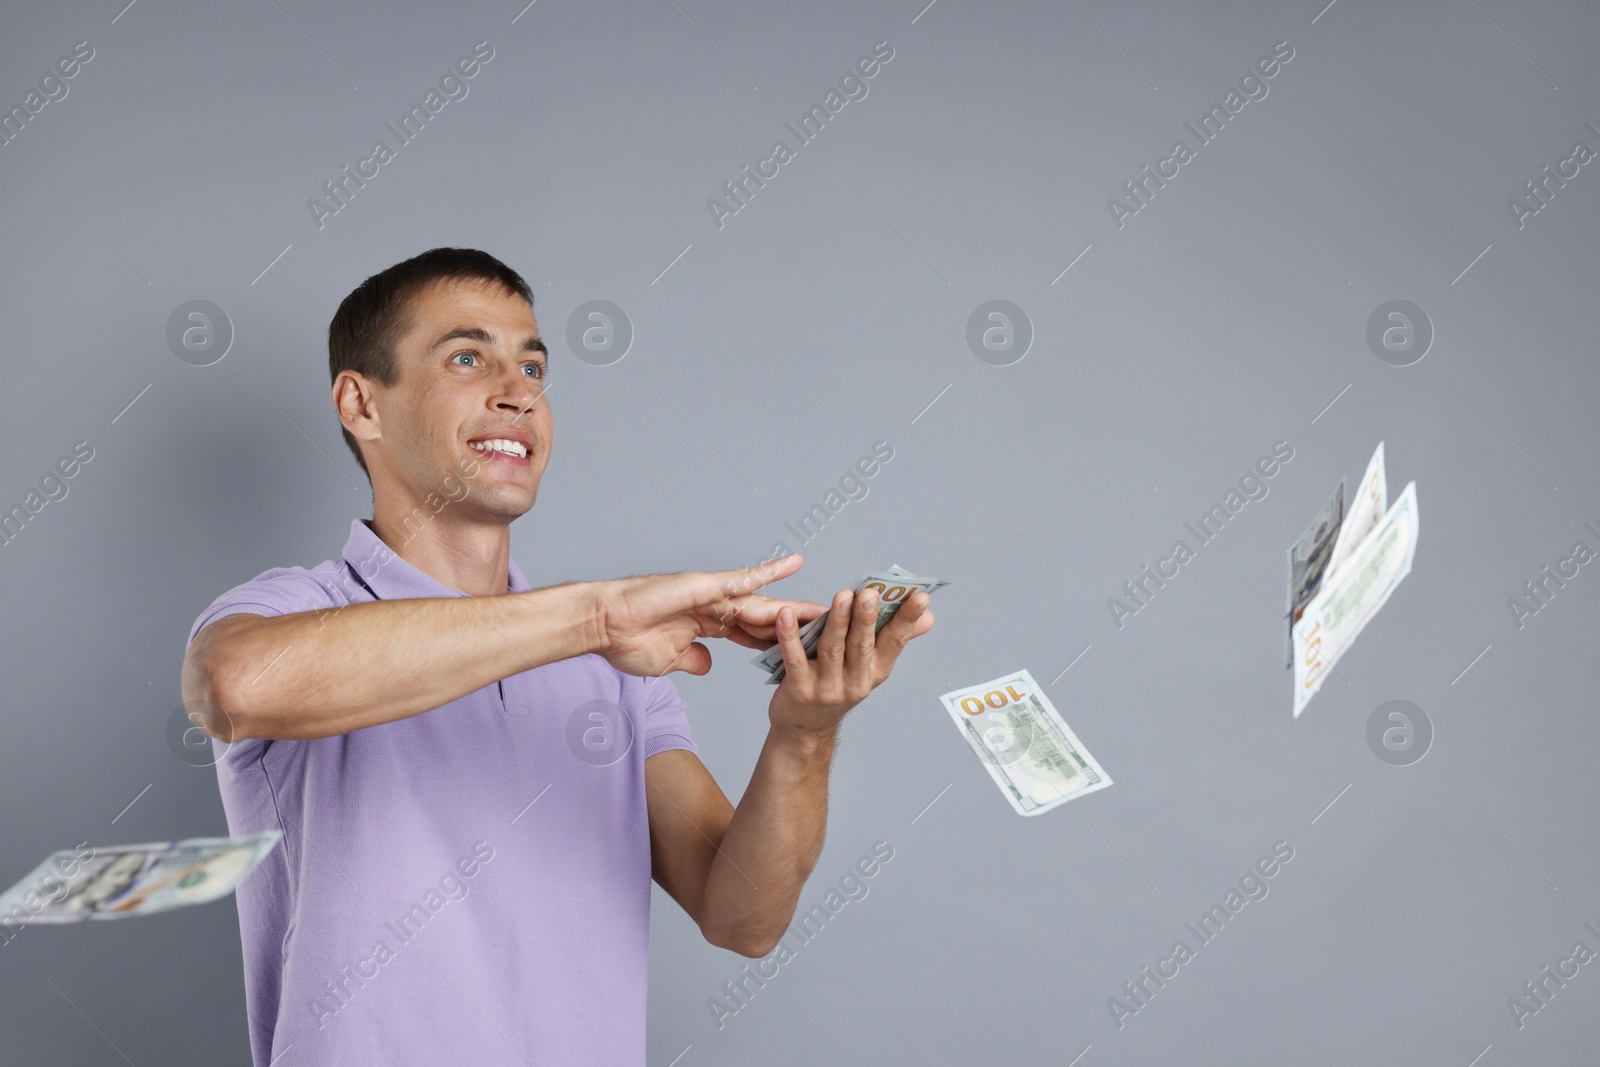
(374, 316)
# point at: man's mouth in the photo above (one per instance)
(501, 450)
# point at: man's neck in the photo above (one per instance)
(469, 557)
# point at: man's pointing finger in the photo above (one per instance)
(747, 580)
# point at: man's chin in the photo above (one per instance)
(501, 502)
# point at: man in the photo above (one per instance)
(476, 780)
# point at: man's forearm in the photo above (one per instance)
(321, 673)
(771, 844)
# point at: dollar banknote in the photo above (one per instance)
(1030, 752)
(894, 586)
(1363, 512)
(126, 880)
(1308, 560)
(1352, 594)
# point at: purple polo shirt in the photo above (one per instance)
(467, 885)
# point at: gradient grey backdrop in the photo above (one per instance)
(826, 315)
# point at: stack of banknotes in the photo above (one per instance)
(894, 587)
(125, 880)
(1342, 570)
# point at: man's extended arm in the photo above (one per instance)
(738, 872)
(320, 673)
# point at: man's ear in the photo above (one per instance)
(354, 399)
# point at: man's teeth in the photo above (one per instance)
(510, 448)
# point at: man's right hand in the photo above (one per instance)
(650, 625)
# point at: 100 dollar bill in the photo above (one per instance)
(894, 587)
(1352, 595)
(1032, 755)
(124, 880)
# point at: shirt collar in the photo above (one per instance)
(390, 577)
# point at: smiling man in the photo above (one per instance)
(428, 729)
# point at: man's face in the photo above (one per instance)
(471, 370)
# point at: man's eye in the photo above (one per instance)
(536, 366)
(458, 355)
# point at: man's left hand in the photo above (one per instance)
(851, 660)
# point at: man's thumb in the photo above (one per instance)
(696, 659)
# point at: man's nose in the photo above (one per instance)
(519, 392)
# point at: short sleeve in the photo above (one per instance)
(280, 591)
(665, 717)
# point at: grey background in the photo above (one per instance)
(825, 316)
